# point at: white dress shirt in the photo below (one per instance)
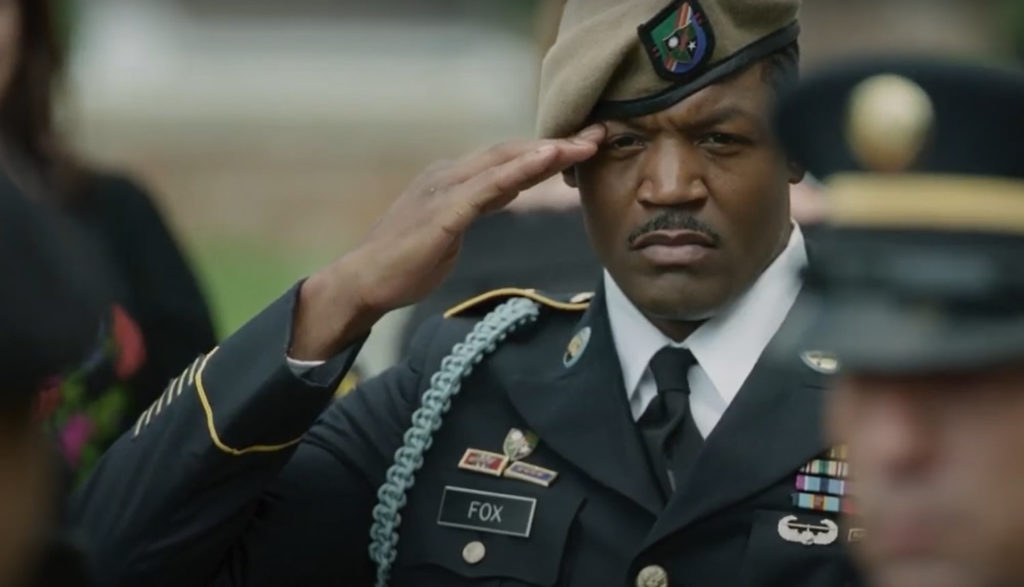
(726, 347)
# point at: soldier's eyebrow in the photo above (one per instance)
(633, 124)
(716, 116)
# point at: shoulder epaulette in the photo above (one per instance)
(572, 303)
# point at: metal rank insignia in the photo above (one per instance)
(822, 484)
(482, 461)
(518, 444)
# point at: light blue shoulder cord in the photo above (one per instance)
(426, 420)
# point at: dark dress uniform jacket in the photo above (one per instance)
(223, 482)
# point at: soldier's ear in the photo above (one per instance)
(569, 177)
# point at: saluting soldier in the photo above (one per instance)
(634, 436)
(919, 292)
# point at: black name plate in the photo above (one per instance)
(498, 513)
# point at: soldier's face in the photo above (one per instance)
(937, 468)
(687, 206)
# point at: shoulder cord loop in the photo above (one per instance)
(426, 420)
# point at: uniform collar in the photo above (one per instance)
(729, 344)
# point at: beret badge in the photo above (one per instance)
(679, 40)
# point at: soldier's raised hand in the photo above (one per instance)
(413, 246)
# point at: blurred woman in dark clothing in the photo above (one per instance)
(155, 319)
(49, 311)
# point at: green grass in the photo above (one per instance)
(241, 277)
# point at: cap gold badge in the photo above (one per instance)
(889, 121)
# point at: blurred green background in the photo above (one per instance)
(275, 131)
(241, 276)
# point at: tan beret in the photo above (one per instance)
(627, 58)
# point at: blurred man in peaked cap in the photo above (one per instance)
(918, 291)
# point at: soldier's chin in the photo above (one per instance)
(682, 299)
(685, 311)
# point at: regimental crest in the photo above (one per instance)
(679, 40)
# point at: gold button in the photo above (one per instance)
(652, 576)
(474, 552)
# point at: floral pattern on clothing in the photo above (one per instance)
(85, 408)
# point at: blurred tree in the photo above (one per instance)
(509, 14)
(1017, 18)
(67, 12)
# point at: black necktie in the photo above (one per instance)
(672, 439)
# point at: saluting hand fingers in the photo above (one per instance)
(476, 163)
(499, 185)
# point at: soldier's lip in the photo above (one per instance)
(673, 238)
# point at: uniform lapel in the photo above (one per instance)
(582, 413)
(772, 428)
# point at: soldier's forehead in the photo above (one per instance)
(707, 110)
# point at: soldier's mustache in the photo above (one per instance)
(675, 220)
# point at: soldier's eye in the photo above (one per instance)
(721, 138)
(622, 142)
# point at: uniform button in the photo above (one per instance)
(474, 552)
(652, 576)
